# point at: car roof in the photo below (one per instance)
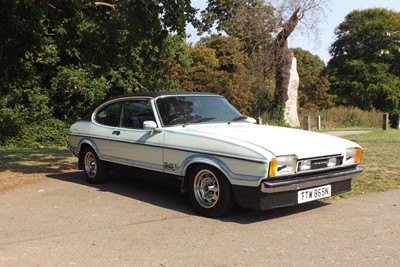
(161, 93)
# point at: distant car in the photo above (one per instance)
(203, 145)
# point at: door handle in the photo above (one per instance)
(116, 133)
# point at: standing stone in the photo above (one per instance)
(290, 115)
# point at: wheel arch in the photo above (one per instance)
(190, 163)
(83, 144)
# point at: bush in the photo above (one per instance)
(48, 133)
(344, 117)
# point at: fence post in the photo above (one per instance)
(398, 122)
(319, 122)
(385, 124)
(306, 122)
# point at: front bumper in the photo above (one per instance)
(273, 194)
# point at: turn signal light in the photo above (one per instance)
(273, 165)
(358, 155)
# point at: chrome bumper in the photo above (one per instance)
(297, 183)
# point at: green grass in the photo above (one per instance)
(10, 157)
(329, 129)
(380, 161)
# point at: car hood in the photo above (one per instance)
(277, 140)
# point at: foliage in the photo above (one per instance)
(314, 84)
(263, 27)
(48, 133)
(201, 72)
(251, 22)
(160, 72)
(60, 58)
(75, 87)
(365, 68)
(217, 65)
(344, 117)
(238, 81)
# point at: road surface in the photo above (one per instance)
(62, 221)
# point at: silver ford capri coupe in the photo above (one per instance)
(204, 146)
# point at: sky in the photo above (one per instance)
(338, 9)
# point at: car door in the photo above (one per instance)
(130, 144)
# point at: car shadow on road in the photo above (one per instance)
(165, 197)
(246, 216)
(135, 188)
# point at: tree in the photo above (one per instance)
(314, 84)
(217, 65)
(237, 87)
(20, 30)
(289, 14)
(60, 58)
(201, 73)
(273, 22)
(247, 20)
(365, 65)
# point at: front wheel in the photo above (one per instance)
(94, 169)
(210, 192)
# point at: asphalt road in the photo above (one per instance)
(62, 221)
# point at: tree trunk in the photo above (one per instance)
(286, 90)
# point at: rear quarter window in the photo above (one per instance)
(109, 115)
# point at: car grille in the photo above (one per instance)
(320, 163)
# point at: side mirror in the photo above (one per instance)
(150, 125)
(251, 120)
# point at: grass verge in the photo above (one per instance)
(24, 166)
(380, 161)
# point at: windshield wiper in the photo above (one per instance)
(237, 119)
(197, 120)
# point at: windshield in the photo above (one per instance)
(175, 110)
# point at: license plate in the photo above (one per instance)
(314, 193)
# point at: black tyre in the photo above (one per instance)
(93, 168)
(210, 192)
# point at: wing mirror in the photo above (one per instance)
(251, 120)
(150, 125)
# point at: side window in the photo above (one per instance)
(109, 115)
(135, 112)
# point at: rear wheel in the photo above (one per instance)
(93, 167)
(210, 192)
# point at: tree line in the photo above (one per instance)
(59, 59)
